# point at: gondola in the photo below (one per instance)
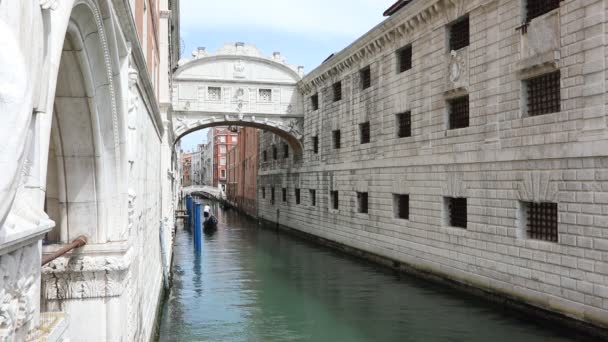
(210, 224)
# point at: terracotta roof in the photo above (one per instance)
(395, 7)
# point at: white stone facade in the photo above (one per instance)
(502, 160)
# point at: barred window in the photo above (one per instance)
(364, 130)
(459, 34)
(541, 221)
(404, 124)
(313, 197)
(284, 194)
(336, 139)
(285, 151)
(334, 200)
(314, 101)
(315, 144)
(544, 94)
(272, 195)
(266, 95)
(457, 211)
(536, 8)
(214, 93)
(459, 112)
(366, 77)
(297, 193)
(264, 155)
(404, 56)
(337, 87)
(263, 193)
(401, 206)
(362, 205)
(275, 152)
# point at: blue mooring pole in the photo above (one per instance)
(198, 229)
(190, 213)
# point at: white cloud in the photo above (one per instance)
(348, 18)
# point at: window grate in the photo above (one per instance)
(402, 204)
(275, 152)
(263, 193)
(337, 91)
(265, 95)
(264, 155)
(313, 197)
(536, 8)
(364, 129)
(315, 145)
(214, 93)
(314, 101)
(542, 221)
(285, 151)
(336, 138)
(284, 194)
(366, 77)
(458, 212)
(297, 193)
(459, 112)
(404, 124)
(362, 202)
(272, 195)
(335, 200)
(405, 58)
(544, 94)
(459, 34)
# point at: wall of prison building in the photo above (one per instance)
(242, 168)
(455, 140)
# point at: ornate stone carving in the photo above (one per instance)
(48, 4)
(458, 73)
(454, 185)
(239, 69)
(132, 116)
(538, 186)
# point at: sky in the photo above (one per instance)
(305, 32)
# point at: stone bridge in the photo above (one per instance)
(238, 86)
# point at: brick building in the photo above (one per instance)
(467, 139)
(186, 169)
(223, 139)
(243, 171)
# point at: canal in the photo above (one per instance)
(254, 284)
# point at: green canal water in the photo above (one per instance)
(254, 284)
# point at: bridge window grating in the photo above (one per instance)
(284, 194)
(544, 94)
(364, 130)
(334, 200)
(275, 152)
(314, 101)
(313, 197)
(401, 205)
(285, 151)
(541, 221)
(265, 95)
(404, 124)
(366, 77)
(457, 212)
(459, 34)
(337, 87)
(336, 139)
(459, 112)
(214, 93)
(362, 202)
(297, 193)
(536, 8)
(315, 144)
(404, 56)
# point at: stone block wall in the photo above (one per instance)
(505, 159)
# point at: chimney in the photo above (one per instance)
(276, 56)
(199, 52)
(301, 70)
(239, 47)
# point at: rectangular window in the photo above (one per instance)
(264, 156)
(544, 94)
(297, 193)
(337, 87)
(313, 197)
(275, 152)
(457, 211)
(336, 138)
(362, 205)
(459, 112)
(223, 161)
(366, 77)
(541, 221)
(265, 95)
(404, 124)
(536, 8)
(263, 193)
(272, 195)
(223, 174)
(284, 194)
(223, 139)
(401, 206)
(285, 151)
(223, 149)
(459, 34)
(314, 101)
(315, 145)
(214, 93)
(334, 200)
(364, 132)
(404, 57)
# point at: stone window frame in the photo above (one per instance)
(217, 97)
(337, 91)
(397, 209)
(523, 221)
(298, 194)
(404, 54)
(454, 44)
(264, 156)
(334, 200)
(365, 133)
(265, 95)
(263, 192)
(313, 197)
(365, 77)
(284, 195)
(272, 198)
(451, 218)
(549, 6)
(404, 121)
(315, 144)
(285, 151)
(314, 102)
(336, 139)
(525, 91)
(451, 103)
(275, 152)
(363, 202)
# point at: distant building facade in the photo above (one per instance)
(222, 139)
(242, 168)
(197, 164)
(187, 169)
